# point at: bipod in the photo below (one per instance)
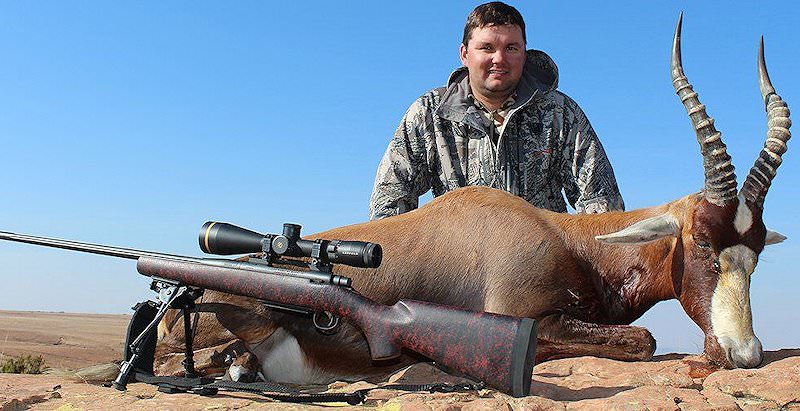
(170, 296)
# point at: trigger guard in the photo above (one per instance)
(331, 322)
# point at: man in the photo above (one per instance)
(500, 122)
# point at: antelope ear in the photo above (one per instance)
(774, 237)
(653, 228)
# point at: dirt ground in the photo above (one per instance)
(669, 382)
(66, 341)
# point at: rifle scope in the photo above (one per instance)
(226, 239)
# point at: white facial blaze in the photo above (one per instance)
(744, 217)
(731, 317)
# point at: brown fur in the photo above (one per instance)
(487, 250)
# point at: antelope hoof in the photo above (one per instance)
(244, 368)
(638, 344)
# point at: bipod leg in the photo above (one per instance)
(188, 361)
(167, 295)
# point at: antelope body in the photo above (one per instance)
(584, 277)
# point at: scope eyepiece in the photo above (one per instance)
(226, 239)
(355, 253)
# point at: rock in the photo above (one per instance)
(774, 385)
(98, 373)
(673, 382)
(652, 397)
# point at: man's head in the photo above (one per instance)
(493, 50)
(495, 13)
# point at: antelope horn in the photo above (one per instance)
(757, 184)
(720, 179)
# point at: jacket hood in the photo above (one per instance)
(539, 70)
(539, 76)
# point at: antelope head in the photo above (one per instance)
(719, 234)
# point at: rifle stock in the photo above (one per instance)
(494, 348)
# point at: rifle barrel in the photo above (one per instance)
(134, 254)
(129, 253)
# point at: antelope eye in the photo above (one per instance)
(703, 244)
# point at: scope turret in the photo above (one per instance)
(226, 239)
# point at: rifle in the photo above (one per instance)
(496, 349)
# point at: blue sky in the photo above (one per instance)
(132, 124)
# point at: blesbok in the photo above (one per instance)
(584, 277)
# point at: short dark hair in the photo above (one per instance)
(495, 13)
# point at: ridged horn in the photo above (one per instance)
(759, 179)
(720, 179)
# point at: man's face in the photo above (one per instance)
(494, 56)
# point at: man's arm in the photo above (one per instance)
(587, 175)
(403, 173)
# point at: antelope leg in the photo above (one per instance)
(208, 361)
(561, 336)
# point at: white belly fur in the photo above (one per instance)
(282, 360)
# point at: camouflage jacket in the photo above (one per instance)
(546, 145)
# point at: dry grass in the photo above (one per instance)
(26, 364)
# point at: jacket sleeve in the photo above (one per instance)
(587, 176)
(403, 174)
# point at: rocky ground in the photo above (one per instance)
(678, 382)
